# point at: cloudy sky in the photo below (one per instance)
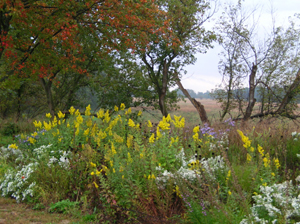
(204, 75)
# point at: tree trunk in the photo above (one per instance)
(163, 92)
(289, 95)
(199, 107)
(47, 88)
(251, 100)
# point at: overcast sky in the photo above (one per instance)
(204, 75)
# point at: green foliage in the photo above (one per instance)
(10, 129)
(63, 206)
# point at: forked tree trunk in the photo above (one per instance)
(199, 107)
(251, 100)
(289, 95)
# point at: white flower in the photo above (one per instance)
(294, 133)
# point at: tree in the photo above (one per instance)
(264, 63)
(166, 55)
(44, 40)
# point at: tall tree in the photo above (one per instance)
(166, 55)
(262, 62)
(44, 39)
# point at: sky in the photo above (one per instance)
(204, 74)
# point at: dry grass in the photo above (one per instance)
(13, 213)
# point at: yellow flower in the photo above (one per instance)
(121, 169)
(131, 123)
(72, 110)
(128, 111)
(260, 150)
(37, 124)
(229, 193)
(31, 140)
(89, 122)
(79, 119)
(266, 162)
(114, 170)
(122, 176)
(245, 139)
(122, 106)
(48, 115)
(273, 174)
(149, 124)
(276, 162)
(249, 157)
(152, 138)
(118, 138)
(96, 185)
(77, 113)
(116, 108)
(264, 184)
(196, 137)
(98, 172)
(152, 176)
(129, 141)
(113, 150)
(54, 122)
(164, 125)
(86, 132)
(106, 116)
(93, 164)
(60, 115)
(254, 193)
(35, 134)
(139, 113)
(196, 129)
(141, 155)
(158, 134)
(251, 149)
(13, 146)
(129, 159)
(92, 173)
(88, 110)
(100, 113)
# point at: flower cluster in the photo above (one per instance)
(17, 184)
(279, 201)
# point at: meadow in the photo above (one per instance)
(129, 166)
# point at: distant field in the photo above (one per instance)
(188, 111)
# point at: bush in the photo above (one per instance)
(10, 129)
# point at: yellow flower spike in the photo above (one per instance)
(113, 150)
(149, 124)
(88, 110)
(89, 122)
(152, 176)
(249, 157)
(229, 193)
(141, 155)
(158, 134)
(31, 140)
(92, 173)
(60, 115)
(164, 125)
(77, 112)
(137, 126)
(251, 149)
(47, 126)
(13, 146)
(54, 122)
(276, 163)
(106, 116)
(168, 118)
(131, 123)
(139, 113)
(116, 108)
(96, 185)
(37, 124)
(122, 176)
(100, 113)
(98, 172)
(93, 164)
(149, 177)
(196, 137)
(68, 125)
(34, 134)
(72, 110)
(152, 138)
(273, 174)
(264, 184)
(48, 115)
(129, 159)
(196, 129)
(86, 132)
(114, 171)
(77, 131)
(122, 106)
